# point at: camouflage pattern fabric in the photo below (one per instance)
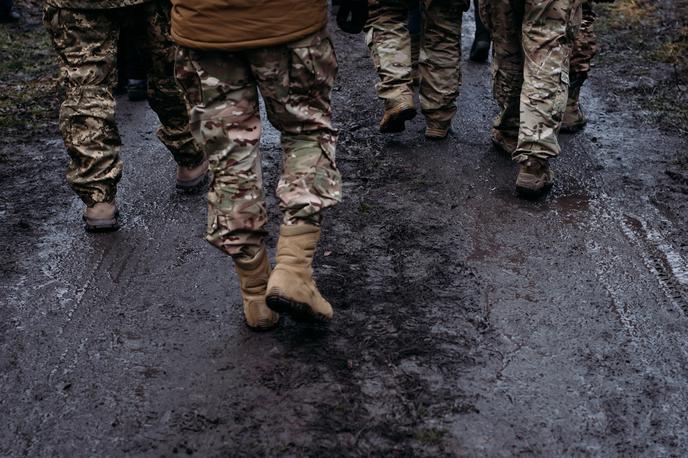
(532, 46)
(93, 4)
(389, 41)
(295, 81)
(585, 43)
(86, 41)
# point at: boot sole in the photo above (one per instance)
(298, 311)
(195, 185)
(573, 128)
(398, 123)
(101, 225)
(436, 134)
(529, 193)
(262, 328)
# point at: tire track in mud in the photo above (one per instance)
(662, 260)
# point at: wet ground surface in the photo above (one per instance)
(468, 322)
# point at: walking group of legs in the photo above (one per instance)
(205, 90)
(541, 56)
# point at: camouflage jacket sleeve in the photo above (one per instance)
(93, 4)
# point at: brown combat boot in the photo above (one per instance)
(253, 280)
(101, 217)
(291, 288)
(505, 144)
(192, 179)
(535, 178)
(574, 120)
(437, 130)
(394, 119)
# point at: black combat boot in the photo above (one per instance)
(481, 42)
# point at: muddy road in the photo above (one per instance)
(468, 322)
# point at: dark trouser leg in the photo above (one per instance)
(164, 96)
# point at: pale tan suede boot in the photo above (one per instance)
(253, 279)
(291, 288)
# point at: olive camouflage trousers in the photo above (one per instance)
(86, 42)
(532, 42)
(295, 81)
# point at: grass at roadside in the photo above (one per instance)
(649, 40)
(28, 90)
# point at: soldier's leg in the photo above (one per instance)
(164, 96)
(584, 49)
(86, 42)
(389, 41)
(299, 106)
(301, 111)
(549, 28)
(415, 27)
(440, 64)
(504, 20)
(480, 48)
(548, 31)
(225, 121)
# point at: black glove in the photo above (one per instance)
(352, 15)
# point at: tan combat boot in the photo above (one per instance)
(291, 288)
(101, 217)
(437, 130)
(192, 179)
(503, 143)
(574, 120)
(534, 178)
(394, 119)
(253, 280)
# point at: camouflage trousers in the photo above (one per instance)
(585, 43)
(532, 42)
(389, 41)
(86, 42)
(295, 81)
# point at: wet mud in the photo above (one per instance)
(468, 322)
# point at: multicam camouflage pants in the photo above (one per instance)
(585, 43)
(388, 38)
(295, 81)
(532, 47)
(86, 41)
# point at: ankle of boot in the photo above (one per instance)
(249, 263)
(298, 229)
(296, 245)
